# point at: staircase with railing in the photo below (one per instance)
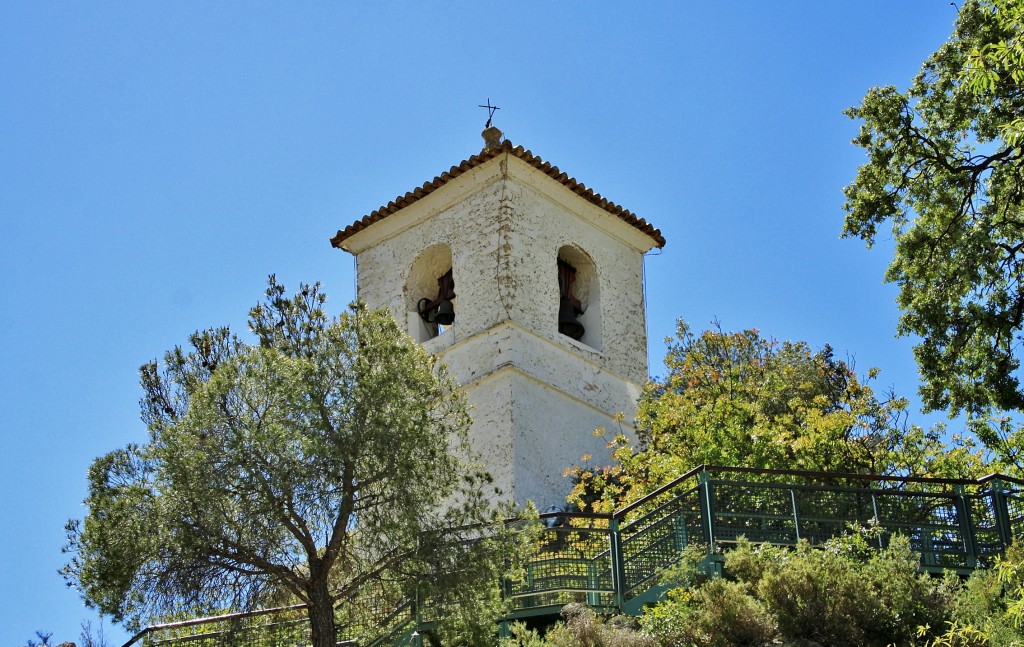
(612, 561)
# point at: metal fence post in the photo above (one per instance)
(617, 565)
(593, 583)
(878, 520)
(966, 529)
(417, 610)
(707, 510)
(1002, 513)
(796, 515)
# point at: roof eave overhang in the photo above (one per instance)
(339, 240)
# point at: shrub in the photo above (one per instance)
(979, 607)
(582, 627)
(819, 595)
(718, 614)
(844, 594)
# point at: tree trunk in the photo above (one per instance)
(321, 614)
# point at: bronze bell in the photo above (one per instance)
(445, 314)
(426, 312)
(567, 323)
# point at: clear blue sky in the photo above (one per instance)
(157, 161)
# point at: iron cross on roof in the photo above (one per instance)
(490, 112)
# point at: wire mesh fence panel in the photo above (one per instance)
(1015, 507)
(826, 512)
(760, 512)
(655, 541)
(379, 608)
(260, 631)
(571, 565)
(933, 522)
(985, 527)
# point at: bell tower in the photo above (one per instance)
(529, 287)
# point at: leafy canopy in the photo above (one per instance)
(297, 467)
(740, 399)
(945, 173)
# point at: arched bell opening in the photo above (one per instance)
(430, 293)
(579, 292)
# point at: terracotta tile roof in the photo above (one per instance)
(476, 160)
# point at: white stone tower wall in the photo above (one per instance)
(541, 227)
(537, 395)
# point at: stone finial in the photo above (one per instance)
(492, 137)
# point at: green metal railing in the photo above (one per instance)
(612, 561)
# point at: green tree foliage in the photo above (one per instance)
(305, 463)
(740, 399)
(945, 173)
(998, 65)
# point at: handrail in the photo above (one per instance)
(844, 475)
(1001, 477)
(577, 514)
(622, 512)
(221, 618)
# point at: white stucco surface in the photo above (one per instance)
(537, 395)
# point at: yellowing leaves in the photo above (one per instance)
(739, 399)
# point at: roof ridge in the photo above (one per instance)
(486, 155)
